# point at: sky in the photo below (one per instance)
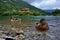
(45, 4)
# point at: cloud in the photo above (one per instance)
(56, 8)
(35, 3)
(46, 4)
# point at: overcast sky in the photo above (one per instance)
(45, 4)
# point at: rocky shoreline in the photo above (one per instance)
(30, 33)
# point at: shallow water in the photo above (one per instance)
(28, 26)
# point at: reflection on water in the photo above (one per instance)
(28, 26)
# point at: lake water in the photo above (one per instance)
(52, 34)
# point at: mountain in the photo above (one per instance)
(13, 6)
(49, 11)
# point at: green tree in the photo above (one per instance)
(56, 12)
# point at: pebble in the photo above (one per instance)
(35, 35)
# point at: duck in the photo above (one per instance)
(42, 25)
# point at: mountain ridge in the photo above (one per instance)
(7, 6)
